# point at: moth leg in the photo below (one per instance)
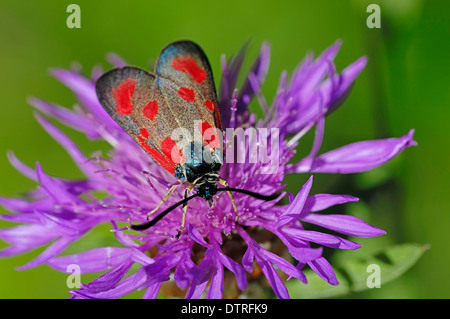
(183, 220)
(165, 198)
(230, 194)
(211, 203)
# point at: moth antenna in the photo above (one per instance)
(149, 224)
(250, 193)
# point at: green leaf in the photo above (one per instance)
(392, 263)
(354, 274)
(317, 287)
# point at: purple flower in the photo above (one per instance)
(215, 256)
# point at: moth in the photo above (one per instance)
(177, 103)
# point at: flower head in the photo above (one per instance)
(215, 255)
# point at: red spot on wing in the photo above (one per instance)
(150, 110)
(210, 105)
(144, 133)
(122, 94)
(170, 149)
(217, 117)
(186, 94)
(213, 108)
(210, 137)
(187, 64)
(166, 163)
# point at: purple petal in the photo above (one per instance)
(21, 167)
(141, 258)
(108, 280)
(320, 202)
(274, 279)
(303, 118)
(230, 72)
(322, 267)
(318, 138)
(94, 260)
(86, 166)
(317, 72)
(358, 157)
(160, 270)
(25, 234)
(265, 259)
(320, 238)
(306, 163)
(116, 60)
(232, 68)
(306, 102)
(24, 238)
(182, 274)
(235, 268)
(124, 287)
(344, 83)
(76, 121)
(195, 290)
(85, 91)
(256, 88)
(295, 208)
(344, 224)
(51, 251)
(196, 236)
(152, 291)
(53, 187)
(20, 205)
(207, 266)
(66, 224)
(215, 290)
(283, 265)
(122, 237)
(259, 69)
(303, 254)
(28, 217)
(15, 250)
(97, 72)
(247, 260)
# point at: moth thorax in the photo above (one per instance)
(200, 161)
(206, 187)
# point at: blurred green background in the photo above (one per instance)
(405, 85)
